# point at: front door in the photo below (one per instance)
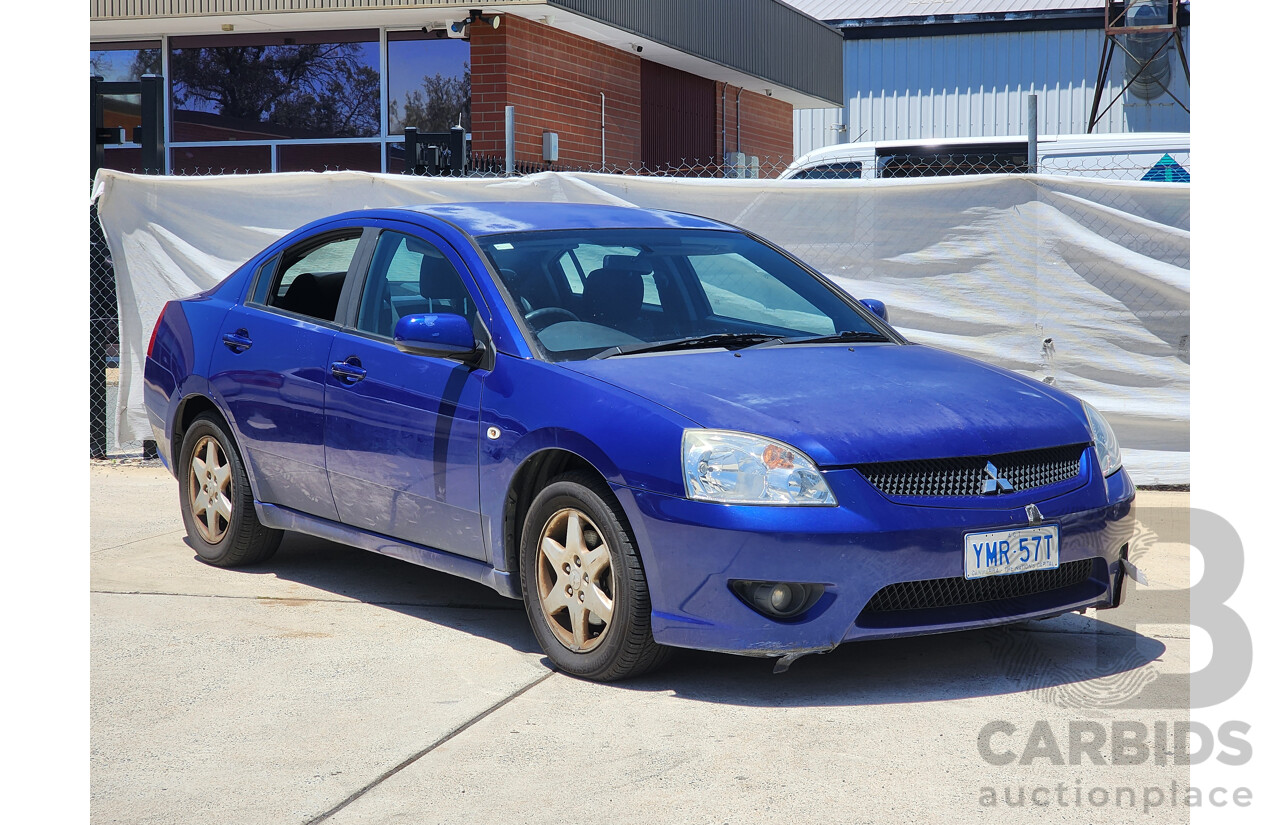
(402, 431)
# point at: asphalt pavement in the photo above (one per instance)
(334, 685)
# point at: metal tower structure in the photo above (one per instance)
(1146, 31)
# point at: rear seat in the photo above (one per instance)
(314, 295)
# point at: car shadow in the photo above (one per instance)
(393, 584)
(1070, 661)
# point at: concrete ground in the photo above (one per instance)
(335, 685)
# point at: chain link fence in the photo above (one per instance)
(852, 256)
(104, 344)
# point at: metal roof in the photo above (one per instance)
(762, 45)
(831, 10)
(767, 39)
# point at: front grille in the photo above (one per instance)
(933, 593)
(966, 476)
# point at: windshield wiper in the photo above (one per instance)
(728, 340)
(848, 336)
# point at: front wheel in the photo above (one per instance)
(584, 587)
(217, 503)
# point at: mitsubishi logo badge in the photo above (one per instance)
(994, 484)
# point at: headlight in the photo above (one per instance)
(1104, 440)
(736, 468)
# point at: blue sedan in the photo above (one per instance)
(656, 429)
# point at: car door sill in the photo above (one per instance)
(282, 518)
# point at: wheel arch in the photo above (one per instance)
(533, 474)
(190, 408)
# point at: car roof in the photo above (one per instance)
(495, 217)
(1109, 143)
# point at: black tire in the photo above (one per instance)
(621, 648)
(240, 540)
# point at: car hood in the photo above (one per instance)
(847, 405)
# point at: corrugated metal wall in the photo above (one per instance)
(678, 117)
(816, 128)
(764, 38)
(976, 85)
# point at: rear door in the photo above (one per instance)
(271, 363)
(402, 431)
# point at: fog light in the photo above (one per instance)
(778, 600)
(780, 597)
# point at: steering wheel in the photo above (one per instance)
(542, 318)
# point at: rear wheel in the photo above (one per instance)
(217, 503)
(584, 587)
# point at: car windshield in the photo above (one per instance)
(601, 292)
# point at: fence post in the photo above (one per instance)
(511, 140)
(458, 150)
(411, 150)
(152, 130)
(1033, 134)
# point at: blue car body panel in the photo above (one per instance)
(274, 392)
(418, 459)
(846, 405)
(400, 446)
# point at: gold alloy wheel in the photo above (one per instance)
(209, 489)
(575, 580)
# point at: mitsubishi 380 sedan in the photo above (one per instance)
(656, 429)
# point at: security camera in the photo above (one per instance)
(462, 28)
(637, 48)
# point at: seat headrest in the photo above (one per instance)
(438, 281)
(613, 296)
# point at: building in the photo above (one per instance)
(921, 69)
(283, 85)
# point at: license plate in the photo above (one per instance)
(1005, 552)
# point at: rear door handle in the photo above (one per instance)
(237, 341)
(348, 371)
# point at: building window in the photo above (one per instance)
(304, 85)
(124, 62)
(429, 81)
(292, 101)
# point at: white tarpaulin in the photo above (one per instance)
(1082, 282)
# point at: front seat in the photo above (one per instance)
(440, 286)
(612, 298)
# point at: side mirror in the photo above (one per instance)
(877, 307)
(440, 336)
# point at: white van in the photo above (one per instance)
(1161, 156)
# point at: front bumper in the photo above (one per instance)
(692, 551)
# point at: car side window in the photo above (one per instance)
(831, 171)
(262, 281)
(409, 276)
(309, 278)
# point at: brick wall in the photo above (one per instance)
(766, 127)
(554, 80)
